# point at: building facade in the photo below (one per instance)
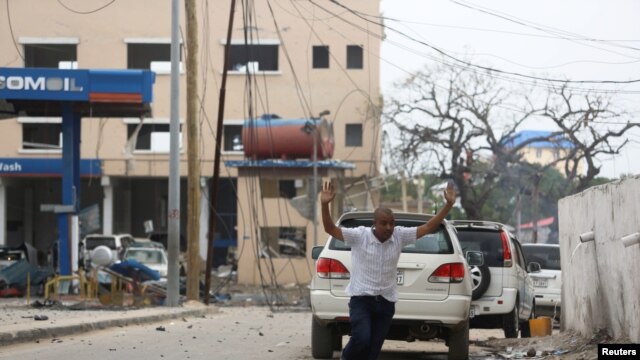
(545, 152)
(296, 60)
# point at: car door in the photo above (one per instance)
(525, 284)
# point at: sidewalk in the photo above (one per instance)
(20, 322)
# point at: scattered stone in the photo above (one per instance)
(531, 352)
(160, 328)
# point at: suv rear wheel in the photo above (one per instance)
(322, 340)
(458, 342)
(511, 323)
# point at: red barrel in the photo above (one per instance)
(287, 138)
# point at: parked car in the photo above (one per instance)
(153, 258)
(503, 295)
(146, 243)
(433, 283)
(547, 283)
(116, 242)
(9, 256)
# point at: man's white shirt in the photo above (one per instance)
(374, 264)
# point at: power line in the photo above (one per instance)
(84, 12)
(13, 37)
(473, 69)
(550, 30)
(484, 68)
(387, 18)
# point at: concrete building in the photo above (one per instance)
(543, 152)
(293, 59)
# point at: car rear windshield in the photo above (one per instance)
(547, 256)
(145, 256)
(434, 243)
(487, 241)
(94, 242)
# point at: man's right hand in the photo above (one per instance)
(328, 193)
(326, 196)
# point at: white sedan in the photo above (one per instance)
(548, 282)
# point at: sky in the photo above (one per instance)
(574, 39)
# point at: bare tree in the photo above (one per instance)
(588, 122)
(463, 125)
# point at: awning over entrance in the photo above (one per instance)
(72, 94)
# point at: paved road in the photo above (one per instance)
(248, 333)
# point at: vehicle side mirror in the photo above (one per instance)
(533, 267)
(315, 252)
(475, 258)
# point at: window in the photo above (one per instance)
(253, 57)
(283, 242)
(354, 57)
(50, 55)
(42, 134)
(287, 189)
(353, 135)
(320, 57)
(153, 137)
(153, 56)
(538, 153)
(232, 137)
(435, 243)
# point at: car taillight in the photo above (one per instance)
(505, 249)
(448, 273)
(331, 269)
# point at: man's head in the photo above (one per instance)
(383, 223)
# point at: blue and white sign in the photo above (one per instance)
(76, 85)
(46, 167)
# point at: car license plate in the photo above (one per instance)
(400, 277)
(540, 282)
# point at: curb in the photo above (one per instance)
(22, 336)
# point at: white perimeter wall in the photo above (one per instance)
(601, 279)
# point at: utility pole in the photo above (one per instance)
(213, 192)
(403, 187)
(314, 191)
(518, 214)
(536, 190)
(314, 203)
(173, 224)
(420, 190)
(193, 155)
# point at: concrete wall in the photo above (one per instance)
(601, 282)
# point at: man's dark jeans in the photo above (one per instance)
(370, 318)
